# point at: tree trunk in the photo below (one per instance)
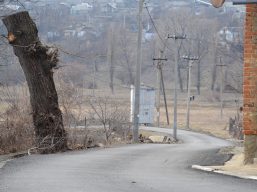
(180, 78)
(110, 56)
(214, 77)
(37, 62)
(198, 77)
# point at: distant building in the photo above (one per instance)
(81, 8)
(229, 35)
(53, 36)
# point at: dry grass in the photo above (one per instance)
(205, 111)
(202, 119)
(236, 166)
(16, 130)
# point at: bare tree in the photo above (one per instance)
(178, 24)
(111, 114)
(201, 33)
(37, 61)
(70, 99)
(126, 53)
(110, 55)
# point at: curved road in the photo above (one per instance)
(133, 168)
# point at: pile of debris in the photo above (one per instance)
(157, 139)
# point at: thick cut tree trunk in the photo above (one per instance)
(37, 62)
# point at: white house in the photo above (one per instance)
(81, 8)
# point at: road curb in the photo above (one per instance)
(218, 171)
(5, 158)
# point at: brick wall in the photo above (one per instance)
(250, 83)
(250, 71)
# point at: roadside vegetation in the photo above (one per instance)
(96, 67)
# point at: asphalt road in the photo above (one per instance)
(135, 168)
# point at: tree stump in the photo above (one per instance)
(37, 61)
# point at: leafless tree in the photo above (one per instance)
(201, 32)
(126, 53)
(70, 99)
(112, 115)
(110, 55)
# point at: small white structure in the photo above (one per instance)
(81, 8)
(147, 104)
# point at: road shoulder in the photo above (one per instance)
(234, 167)
(5, 158)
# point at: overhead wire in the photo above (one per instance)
(155, 28)
(89, 73)
(69, 53)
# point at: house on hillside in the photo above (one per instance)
(109, 8)
(229, 35)
(82, 8)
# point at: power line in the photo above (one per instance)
(71, 54)
(58, 47)
(156, 29)
(153, 23)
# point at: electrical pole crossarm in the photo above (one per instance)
(160, 59)
(221, 65)
(160, 63)
(175, 37)
(190, 58)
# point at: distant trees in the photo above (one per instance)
(125, 54)
(199, 34)
(115, 37)
(204, 40)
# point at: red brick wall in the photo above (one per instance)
(250, 71)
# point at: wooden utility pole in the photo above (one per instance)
(158, 101)
(110, 56)
(94, 83)
(160, 84)
(190, 64)
(138, 73)
(38, 61)
(164, 97)
(221, 87)
(176, 38)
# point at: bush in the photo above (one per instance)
(16, 129)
